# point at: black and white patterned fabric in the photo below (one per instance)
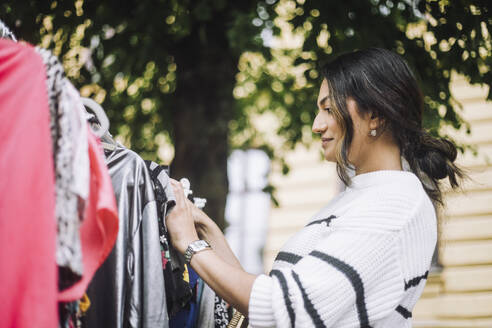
(68, 247)
(362, 261)
(178, 290)
(221, 313)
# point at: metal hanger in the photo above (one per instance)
(108, 142)
(101, 126)
(101, 116)
(5, 32)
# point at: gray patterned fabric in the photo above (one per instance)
(206, 312)
(68, 247)
(213, 311)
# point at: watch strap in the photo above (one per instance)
(195, 247)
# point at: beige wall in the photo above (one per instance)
(459, 296)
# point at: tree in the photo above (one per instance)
(193, 72)
(435, 37)
(163, 70)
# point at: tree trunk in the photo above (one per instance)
(203, 107)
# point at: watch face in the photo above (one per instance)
(194, 247)
(199, 244)
(202, 243)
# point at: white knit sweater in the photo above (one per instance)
(362, 261)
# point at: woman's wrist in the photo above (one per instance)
(195, 247)
(211, 232)
(205, 226)
(183, 244)
(203, 231)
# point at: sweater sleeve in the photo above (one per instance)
(349, 271)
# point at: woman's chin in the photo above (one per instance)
(329, 156)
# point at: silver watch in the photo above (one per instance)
(195, 247)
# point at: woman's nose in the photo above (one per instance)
(318, 125)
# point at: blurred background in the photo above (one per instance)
(225, 92)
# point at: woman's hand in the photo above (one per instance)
(203, 223)
(180, 222)
(218, 267)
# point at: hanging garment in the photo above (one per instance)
(80, 165)
(187, 316)
(68, 313)
(28, 273)
(128, 289)
(213, 311)
(178, 289)
(165, 200)
(100, 227)
(190, 302)
(66, 129)
(71, 312)
(222, 313)
(177, 283)
(206, 306)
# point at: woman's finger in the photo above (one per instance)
(178, 192)
(176, 184)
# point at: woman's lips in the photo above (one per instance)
(325, 141)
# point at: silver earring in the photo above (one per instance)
(373, 132)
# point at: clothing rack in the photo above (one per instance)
(92, 249)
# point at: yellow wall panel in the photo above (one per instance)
(470, 203)
(476, 111)
(466, 279)
(466, 253)
(465, 305)
(467, 228)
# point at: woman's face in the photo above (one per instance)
(331, 133)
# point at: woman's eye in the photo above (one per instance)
(328, 109)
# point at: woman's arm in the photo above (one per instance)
(208, 230)
(230, 282)
(218, 267)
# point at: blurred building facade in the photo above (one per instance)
(248, 206)
(459, 294)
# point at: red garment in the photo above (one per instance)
(100, 226)
(28, 272)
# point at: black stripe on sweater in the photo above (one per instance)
(415, 281)
(285, 292)
(327, 220)
(354, 278)
(308, 305)
(403, 311)
(288, 257)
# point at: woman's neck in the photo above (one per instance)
(383, 154)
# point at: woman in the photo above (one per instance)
(363, 259)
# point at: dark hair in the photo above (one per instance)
(381, 82)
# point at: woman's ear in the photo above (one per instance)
(375, 121)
